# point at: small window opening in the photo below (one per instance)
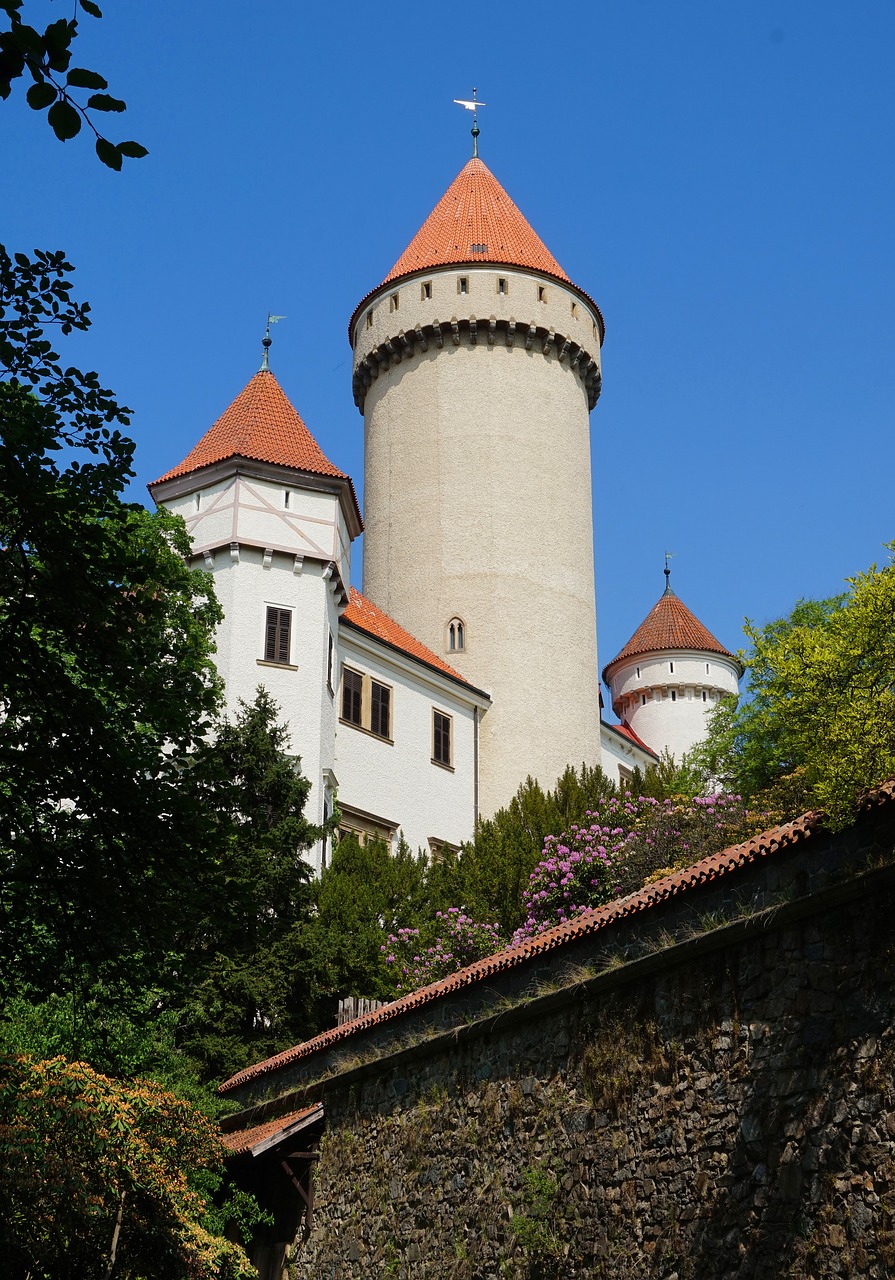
(673, 695)
(286, 498)
(393, 302)
(704, 696)
(542, 293)
(370, 318)
(426, 290)
(456, 636)
(706, 668)
(329, 664)
(671, 667)
(478, 248)
(501, 284)
(643, 699)
(463, 285)
(197, 501)
(638, 673)
(574, 310)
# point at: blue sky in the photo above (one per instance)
(718, 176)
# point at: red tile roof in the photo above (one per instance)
(366, 616)
(263, 425)
(713, 867)
(668, 625)
(476, 210)
(627, 732)
(243, 1140)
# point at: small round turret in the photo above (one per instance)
(669, 674)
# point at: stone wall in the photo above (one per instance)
(708, 1092)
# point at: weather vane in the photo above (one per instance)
(668, 556)
(266, 340)
(473, 106)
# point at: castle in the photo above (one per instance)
(470, 659)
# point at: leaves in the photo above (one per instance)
(64, 120)
(80, 78)
(104, 102)
(40, 95)
(108, 153)
(93, 9)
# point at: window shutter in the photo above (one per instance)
(276, 639)
(379, 709)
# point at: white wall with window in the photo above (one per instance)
(406, 746)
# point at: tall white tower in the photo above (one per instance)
(669, 674)
(476, 365)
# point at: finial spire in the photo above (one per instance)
(266, 341)
(667, 571)
(473, 106)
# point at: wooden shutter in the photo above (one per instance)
(379, 709)
(352, 684)
(276, 642)
(441, 738)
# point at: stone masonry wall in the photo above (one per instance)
(722, 1105)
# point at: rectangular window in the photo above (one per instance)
(380, 695)
(393, 302)
(501, 284)
(542, 293)
(366, 703)
(329, 664)
(426, 290)
(463, 285)
(352, 695)
(441, 738)
(276, 636)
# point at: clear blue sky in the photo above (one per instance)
(718, 176)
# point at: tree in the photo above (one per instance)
(101, 1177)
(46, 57)
(820, 709)
(107, 683)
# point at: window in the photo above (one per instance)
(286, 499)
(276, 635)
(625, 778)
(643, 699)
(463, 285)
(478, 248)
(574, 310)
(671, 667)
(352, 695)
(704, 696)
(365, 826)
(393, 302)
(542, 293)
(426, 290)
(502, 285)
(456, 638)
(441, 739)
(370, 318)
(674, 695)
(638, 673)
(197, 501)
(706, 668)
(366, 703)
(329, 664)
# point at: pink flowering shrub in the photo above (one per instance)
(459, 940)
(622, 844)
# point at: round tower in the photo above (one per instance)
(476, 365)
(669, 674)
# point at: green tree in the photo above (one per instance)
(241, 1006)
(817, 726)
(107, 683)
(56, 86)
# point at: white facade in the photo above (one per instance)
(664, 696)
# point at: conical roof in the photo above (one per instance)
(261, 424)
(668, 625)
(475, 221)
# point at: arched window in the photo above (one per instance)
(456, 635)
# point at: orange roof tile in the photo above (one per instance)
(625, 730)
(764, 845)
(668, 625)
(261, 424)
(243, 1140)
(475, 211)
(366, 616)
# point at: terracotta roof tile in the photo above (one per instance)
(668, 625)
(627, 732)
(242, 1141)
(476, 211)
(716, 865)
(366, 616)
(263, 425)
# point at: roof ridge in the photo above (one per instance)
(669, 625)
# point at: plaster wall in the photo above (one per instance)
(397, 780)
(478, 502)
(246, 589)
(616, 755)
(667, 708)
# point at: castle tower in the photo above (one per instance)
(272, 519)
(669, 674)
(476, 364)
